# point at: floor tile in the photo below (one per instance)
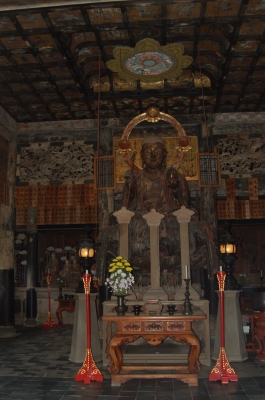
(36, 366)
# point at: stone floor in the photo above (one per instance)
(35, 366)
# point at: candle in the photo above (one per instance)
(261, 273)
(221, 268)
(186, 268)
(48, 270)
(86, 271)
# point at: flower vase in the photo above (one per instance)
(60, 293)
(121, 307)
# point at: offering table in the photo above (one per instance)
(154, 329)
(64, 305)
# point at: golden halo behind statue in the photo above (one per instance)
(153, 115)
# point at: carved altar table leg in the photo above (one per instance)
(116, 359)
(59, 317)
(193, 342)
(119, 355)
(115, 352)
(194, 353)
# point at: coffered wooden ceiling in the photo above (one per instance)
(51, 58)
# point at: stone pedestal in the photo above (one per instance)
(157, 293)
(79, 336)
(7, 332)
(234, 336)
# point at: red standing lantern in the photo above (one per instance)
(89, 371)
(222, 370)
(49, 323)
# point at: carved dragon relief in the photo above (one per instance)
(68, 163)
(241, 156)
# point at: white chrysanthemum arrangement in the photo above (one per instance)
(121, 279)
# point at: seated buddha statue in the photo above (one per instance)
(164, 189)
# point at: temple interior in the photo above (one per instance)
(136, 130)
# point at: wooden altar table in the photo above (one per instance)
(64, 305)
(154, 329)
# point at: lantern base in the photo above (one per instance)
(49, 323)
(223, 371)
(89, 371)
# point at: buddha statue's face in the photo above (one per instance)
(153, 155)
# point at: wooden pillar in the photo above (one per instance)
(32, 248)
(32, 264)
(208, 213)
(7, 241)
(208, 209)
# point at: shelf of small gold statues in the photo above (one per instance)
(63, 266)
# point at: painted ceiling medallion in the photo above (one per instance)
(148, 61)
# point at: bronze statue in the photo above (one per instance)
(155, 186)
(164, 189)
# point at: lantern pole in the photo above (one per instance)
(222, 370)
(89, 371)
(49, 323)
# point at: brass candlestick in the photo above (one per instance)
(187, 304)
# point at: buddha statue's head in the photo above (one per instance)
(153, 153)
